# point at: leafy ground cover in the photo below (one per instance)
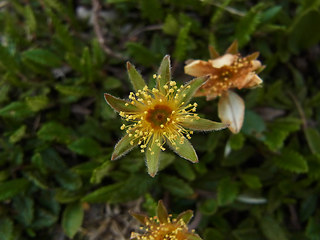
(58, 58)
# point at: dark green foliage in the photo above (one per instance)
(58, 133)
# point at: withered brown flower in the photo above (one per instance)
(226, 72)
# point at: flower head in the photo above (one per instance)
(164, 227)
(226, 72)
(159, 115)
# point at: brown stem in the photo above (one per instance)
(97, 29)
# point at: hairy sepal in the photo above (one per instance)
(118, 104)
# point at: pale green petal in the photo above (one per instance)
(135, 77)
(152, 158)
(184, 150)
(190, 89)
(202, 124)
(185, 216)
(123, 147)
(162, 212)
(165, 73)
(119, 105)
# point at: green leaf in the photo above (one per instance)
(236, 141)
(164, 72)
(66, 196)
(313, 139)
(184, 169)
(227, 191)
(185, 216)
(142, 54)
(151, 9)
(292, 161)
(271, 229)
(31, 22)
(72, 219)
(37, 103)
(76, 91)
(251, 181)
(152, 158)
(135, 77)
(69, 180)
(171, 25)
(275, 139)
(102, 194)
(100, 172)
(119, 105)
(176, 186)
(181, 45)
(6, 229)
(41, 56)
(24, 207)
(247, 25)
(18, 134)
(202, 124)
(209, 206)
(123, 147)
(253, 123)
(86, 146)
(11, 188)
(16, 110)
(184, 150)
(190, 89)
(313, 228)
(303, 32)
(53, 131)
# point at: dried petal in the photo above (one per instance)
(231, 110)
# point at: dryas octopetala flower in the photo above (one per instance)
(164, 227)
(227, 72)
(159, 115)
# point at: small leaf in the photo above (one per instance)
(184, 169)
(18, 134)
(313, 228)
(185, 216)
(16, 110)
(202, 124)
(102, 194)
(37, 103)
(42, 56)
(164, 72)
(190, 89)
(209, 207)
(72, 219)
(6, 229)
(53, 131)
(152, 158)
(119, 105)
(123, 147)
(271, 229)
(100, 172)
(313, 138)
(227, 191)
(76, 91)
(251, 181)
(236, 141)
(24, 207)
(12, 188)
(135, 77)
(85, 146)
(171, 25)
(231, 110)
(176, 186)
(184, 150)
(292, 161)
(162, 213)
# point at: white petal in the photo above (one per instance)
(231, 110)
(225, 60)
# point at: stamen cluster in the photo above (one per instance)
(159, 116)
(173, 229)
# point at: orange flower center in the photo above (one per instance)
(158, 115)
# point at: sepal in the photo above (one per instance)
(202, 124)
(135, 77)
(123, 147)
(118, 104)
(164, 72)
(184, 150)
(190, 89)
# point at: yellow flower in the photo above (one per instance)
(164, 227)
(159, 115)
(226, 72)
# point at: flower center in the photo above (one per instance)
(158, 115)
